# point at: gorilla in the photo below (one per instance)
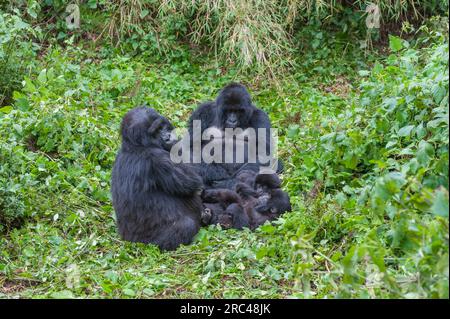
(155, 200)
(272, 200)
(256, 200)
(265, 201)
(245, 176)
(233, 108)
(223, 206)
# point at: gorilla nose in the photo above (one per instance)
(232, 122)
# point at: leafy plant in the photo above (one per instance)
(364, 139)
(17, 53)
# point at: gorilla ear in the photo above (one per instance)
(155, 126)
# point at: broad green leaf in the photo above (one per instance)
(129, 292)
(363, 73)
(6, 109)
(17, 128)
(293, 131)
(148, 291)
(440, 204)
(267, 228)
(262, 252)
(22, 104)
(424, 153)
(42, 77)
(143, 13)
(391, 143)
(29, 86)
(405, 131)
(272, 272)
(63, 294)
(395, 43)
(377, 256)
(19, 24)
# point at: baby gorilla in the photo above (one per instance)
(155, 200)
(257, 198)
(223, 207)
(271, 198)
(265, 201)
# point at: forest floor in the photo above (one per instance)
(60, 139)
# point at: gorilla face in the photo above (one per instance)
(166, 137)
(143, 126)
(264, 204)
(231, 117)
(235, 106)
(261, 190)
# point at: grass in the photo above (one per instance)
(73, 228)
(356, 229)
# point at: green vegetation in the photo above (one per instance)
(363, 133)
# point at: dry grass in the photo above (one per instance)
(253, 34)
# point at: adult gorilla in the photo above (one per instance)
(155, 200)
(233, 108)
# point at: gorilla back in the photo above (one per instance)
(155, 200)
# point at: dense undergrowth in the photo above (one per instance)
(364, 139)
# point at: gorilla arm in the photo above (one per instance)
(212, 172)
(175, 179)
(225, 197)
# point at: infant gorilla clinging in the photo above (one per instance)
(256, 199)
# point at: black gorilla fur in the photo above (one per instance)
(272, 200)
(265, 200)
(257, 198)
(233, 108)
(155, 200)
(245, 176)
(223, 206)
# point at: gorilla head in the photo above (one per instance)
(272, 201)
(143, 126)
(234, 106)
(265, 182)
(265, 201)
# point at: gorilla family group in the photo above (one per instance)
(165, 203)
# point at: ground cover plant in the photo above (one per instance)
(363, 133)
